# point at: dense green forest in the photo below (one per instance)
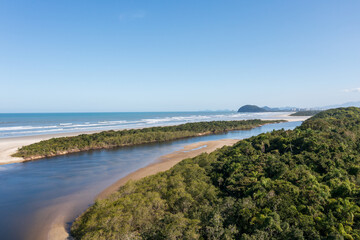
(111, 139)
(299, 184)
(306, 113)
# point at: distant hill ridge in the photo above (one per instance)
(254, 108)
(286, 184)
(251, 108)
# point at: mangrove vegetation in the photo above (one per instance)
(296, 184)
(112, 139)
(306, 113)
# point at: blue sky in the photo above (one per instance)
(59, 56)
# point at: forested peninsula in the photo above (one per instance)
(305, 113)
(296, 184)
(112, 139)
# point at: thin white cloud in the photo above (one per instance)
(352, 90)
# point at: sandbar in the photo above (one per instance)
(9, 146)
(52, 221)
(167, 161)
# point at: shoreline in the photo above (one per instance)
(9, 146)
(60, 215)
(57, 229)
(168, 161)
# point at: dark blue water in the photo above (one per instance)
(70, 183)
(26, 124)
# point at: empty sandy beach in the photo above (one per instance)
(8, 146)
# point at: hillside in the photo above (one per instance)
(305, 113)
(254, 108)
(299, 184)
(251, 108)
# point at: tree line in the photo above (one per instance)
(112, 139)
(296, 184)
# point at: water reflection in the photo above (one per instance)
(71, 182)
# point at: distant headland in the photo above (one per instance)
(254, 108)
(299, 111)
(251, 108)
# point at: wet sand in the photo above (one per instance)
(288, 118)
(168, 161)
(9, 146)
(59, 212)
(52, 220)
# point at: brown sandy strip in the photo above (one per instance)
(52, 220)
(168, 161)
(9, 146)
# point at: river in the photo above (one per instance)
(33, 194)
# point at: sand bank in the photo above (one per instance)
(168, 161)
(287, 117)
(8, 146)
(53, 221)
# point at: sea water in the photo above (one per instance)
(26, 124)
(33, 194)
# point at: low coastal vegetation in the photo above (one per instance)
(296, 184)
(306, 113)
(111, 139)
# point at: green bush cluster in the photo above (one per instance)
(111, 139)
(306, 113)
(299, 184)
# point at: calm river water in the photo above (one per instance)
(28, 190)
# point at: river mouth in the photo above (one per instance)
(38, 194)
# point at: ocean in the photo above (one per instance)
(27, 124)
